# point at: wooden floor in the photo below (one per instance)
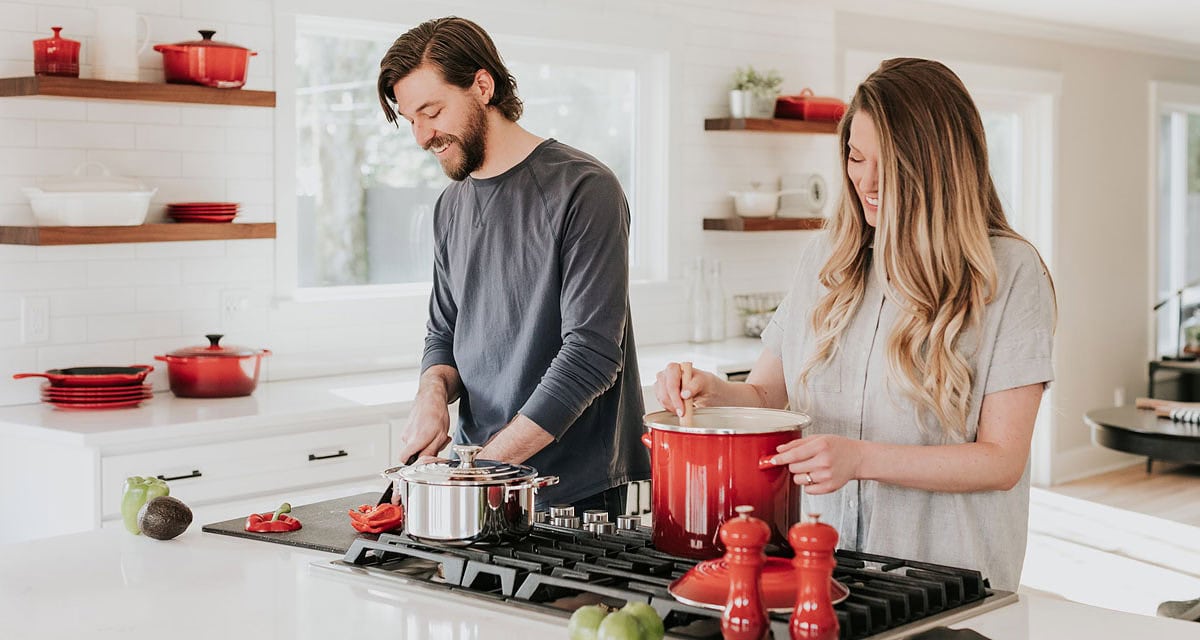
(1171, 492)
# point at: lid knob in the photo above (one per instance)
(207, 34)
(214, 340)
(466, 454)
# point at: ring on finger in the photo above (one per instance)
(808, 479)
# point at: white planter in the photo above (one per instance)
(740, 103)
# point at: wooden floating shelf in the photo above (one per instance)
(143, 91)
(154, 232)
(772, 125)
(763, 224)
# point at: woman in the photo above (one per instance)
(917, 334)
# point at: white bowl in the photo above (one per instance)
(89, 208)
(755, 204)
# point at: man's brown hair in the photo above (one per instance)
(456, 47)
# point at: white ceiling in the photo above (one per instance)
(1174, 20)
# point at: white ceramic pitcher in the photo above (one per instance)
(116, 47)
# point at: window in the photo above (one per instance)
(365, 190)
(1177, 214)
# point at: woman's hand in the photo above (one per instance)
(821, 463)
(670, 391)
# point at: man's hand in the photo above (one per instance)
(428, 430)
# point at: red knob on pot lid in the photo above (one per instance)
(813, 535)
(215, 350)
(207, 41)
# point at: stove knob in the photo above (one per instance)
(628, 523)
(561, 511)
(571, 522)
(541, 517)
(604, 528)
(595, 515)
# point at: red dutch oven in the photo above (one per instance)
(206, 62)
(213, 371)
(700, 472)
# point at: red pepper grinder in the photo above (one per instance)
(813, 617)
(745, 615)
(56, 56)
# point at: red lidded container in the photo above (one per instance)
(206, 62)
(213, 371)
(56, 56)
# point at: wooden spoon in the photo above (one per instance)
(685, 379)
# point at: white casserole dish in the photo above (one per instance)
(90, 201)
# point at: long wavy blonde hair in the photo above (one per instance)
(938, 208)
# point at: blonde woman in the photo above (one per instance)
(917, 334)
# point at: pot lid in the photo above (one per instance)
(214, 350)
(103, 183)
(467, 470)
(729, 421)
(707, 585)
(207, 41)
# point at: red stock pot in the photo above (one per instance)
(701, 470)
(207, 62)
(213, 371)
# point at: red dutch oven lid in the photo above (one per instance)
(215, 350)
(207, 41)
(707, 585)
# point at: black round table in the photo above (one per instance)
(1139, 431)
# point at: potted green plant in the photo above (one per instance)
(753, 93)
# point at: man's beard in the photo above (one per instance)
(471, 143)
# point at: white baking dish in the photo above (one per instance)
(90, 201)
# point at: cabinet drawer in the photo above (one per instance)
(215, 472)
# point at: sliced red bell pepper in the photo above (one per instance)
(376, 519)
(272, 522)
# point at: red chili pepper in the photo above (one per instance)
(376, 519)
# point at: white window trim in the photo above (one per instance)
(1164, 97)
(650, 159)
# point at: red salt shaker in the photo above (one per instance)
(745, 615)
(56, 56)
(813, 617)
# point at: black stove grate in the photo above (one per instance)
(557, 570)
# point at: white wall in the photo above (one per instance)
(1103, 265)
(120, 304)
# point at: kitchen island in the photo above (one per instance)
(110, 584)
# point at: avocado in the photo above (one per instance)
(164, 517)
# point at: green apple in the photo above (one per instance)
(652, 625)
(585, 622)
(620, 625)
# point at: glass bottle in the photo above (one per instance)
(698, 303)
(1191, 334)
(716, 301)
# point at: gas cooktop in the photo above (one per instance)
(560, 568)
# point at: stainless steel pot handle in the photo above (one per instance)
(535, 484)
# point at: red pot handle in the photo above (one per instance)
(765, 462)
(647, 441)
(163, 358)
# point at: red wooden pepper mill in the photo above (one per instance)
(745, 615)
(814, 617)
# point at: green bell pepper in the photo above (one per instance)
(139, 491)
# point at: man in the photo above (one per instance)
(529, 315)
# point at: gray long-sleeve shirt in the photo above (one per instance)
(530, 304)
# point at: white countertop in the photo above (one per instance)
(367, 395)
(110, 584)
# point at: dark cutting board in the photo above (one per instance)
(325, 526)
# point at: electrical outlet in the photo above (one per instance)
(235, 304)
(35, 320)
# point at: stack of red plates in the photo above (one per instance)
(114, 397)
(202, 211)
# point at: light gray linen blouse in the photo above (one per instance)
(851, 397)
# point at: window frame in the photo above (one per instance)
(648, 205)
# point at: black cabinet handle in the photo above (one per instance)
(340, 454)
(194, 474)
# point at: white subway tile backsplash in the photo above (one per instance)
(95, 301)
(43, 108)
(253, 166)
(132, 273)
(250, 191)
(17, 45)
(204, 165)
(179, 138)
(133, 326)
(189, 190)
(18, 132)
(42, 276)
(39, 162)
(69, 330)
(193, 249)
(239, 11)
(76, 22)
(10, 190)
(86, 354)
(179, 298)
(84, 135)
(250, 139)
(219, 116)
(199, 323)
(146, 165)
(63, 253)
(18, 17)
(257, 248)
(144, 7)
(10, 334)
(231, 270)
(101, 111)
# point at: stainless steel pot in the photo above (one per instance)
(467, 501)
